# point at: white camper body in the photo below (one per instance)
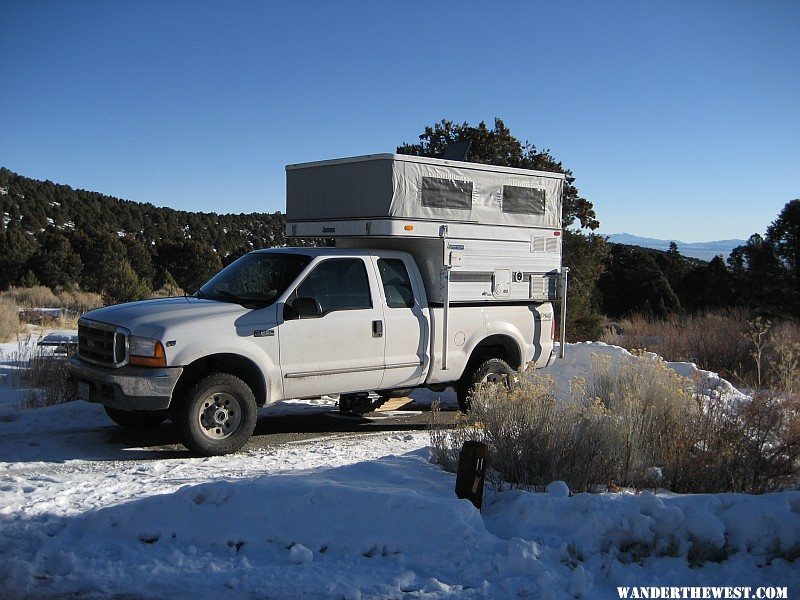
(479, 233)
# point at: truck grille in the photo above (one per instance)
(101, 343)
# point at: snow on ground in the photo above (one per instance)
(86, 513)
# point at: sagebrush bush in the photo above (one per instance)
(9, 319)
(632, 422)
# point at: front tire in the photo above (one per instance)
(139, 420)
(218, 416)
(493, 370)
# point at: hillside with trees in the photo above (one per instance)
(760, 276)
(60, 237)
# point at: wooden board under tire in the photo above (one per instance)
(395, 404)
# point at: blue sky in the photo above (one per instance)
(680, 120)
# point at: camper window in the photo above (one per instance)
(446, 193)
(519, 200)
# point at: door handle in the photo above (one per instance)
(377, 329)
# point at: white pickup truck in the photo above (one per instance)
(304, 322)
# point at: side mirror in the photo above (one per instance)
(307, 308)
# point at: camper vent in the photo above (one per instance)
(541, 244)
(543, 286)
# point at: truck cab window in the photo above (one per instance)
(396, 283)
(337, 284)
(257, 277)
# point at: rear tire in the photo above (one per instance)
(139, 420)
(218, 416)
(493, 370)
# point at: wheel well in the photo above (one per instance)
(233, 364)
(497, 346)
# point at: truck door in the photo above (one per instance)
(337, 346)
(406, 327)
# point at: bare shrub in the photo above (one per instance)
(46, 373)
(9, 319)
(785, 358)
(448, 441)
(49, 374)
(752, 446)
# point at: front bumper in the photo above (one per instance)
(127, 388)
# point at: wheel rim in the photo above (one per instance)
(494, 378)
(220, 415)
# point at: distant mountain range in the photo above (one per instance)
(702, 250)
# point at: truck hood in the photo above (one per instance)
(149, 318)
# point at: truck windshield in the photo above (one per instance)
(257, 278)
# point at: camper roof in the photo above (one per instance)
(399, 186)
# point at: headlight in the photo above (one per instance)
(146, 352)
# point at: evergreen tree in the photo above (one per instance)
(783, 236)
(55, 264)
(633, 282)
(585, 255)
(16, 248)
(759, 276)
(673, 265)
(706, 287)
(140, 259)
(123, 285)
(190, 262)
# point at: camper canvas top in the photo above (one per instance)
(394, 187)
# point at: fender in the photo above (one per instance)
(245, 348)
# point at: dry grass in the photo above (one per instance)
(168, 290)
(39, 305)
(731, 343)
(9, 320)
(78, 302)
(32, 297)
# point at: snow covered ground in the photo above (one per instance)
(84, 513)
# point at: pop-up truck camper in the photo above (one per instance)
(442, 273)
